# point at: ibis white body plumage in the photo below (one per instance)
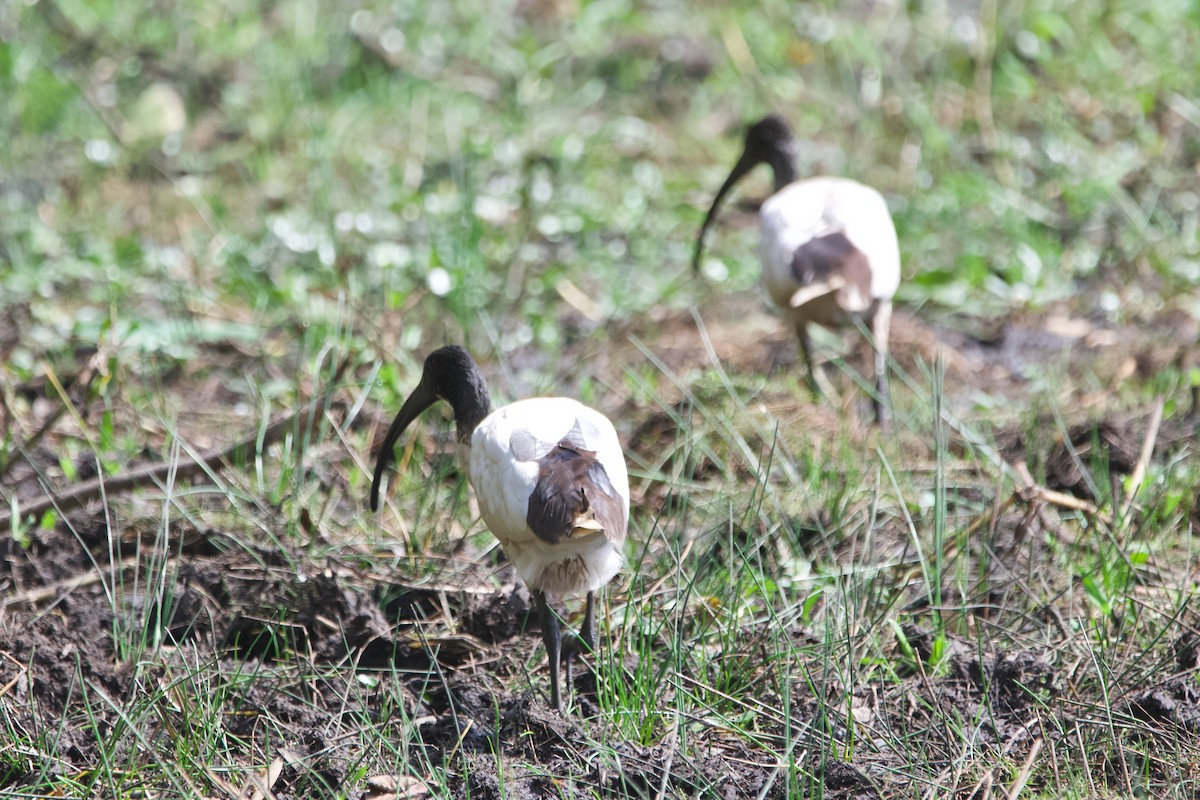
(504, 465)
(812, 209)
(551, 482)
(829, 249)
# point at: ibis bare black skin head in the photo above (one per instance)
(450, 374)
(551, 482)
(829, 248)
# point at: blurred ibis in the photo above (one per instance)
(551, 483)
(829, 250)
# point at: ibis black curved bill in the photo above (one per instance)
(421, 398)
(746, 163)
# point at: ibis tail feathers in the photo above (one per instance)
(806, 294)
(584, 525)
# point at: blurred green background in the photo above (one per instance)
(179, 171)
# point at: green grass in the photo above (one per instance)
(360, 184)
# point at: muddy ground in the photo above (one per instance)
(318, 634)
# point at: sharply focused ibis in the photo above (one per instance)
(829, 250)
(551, 483)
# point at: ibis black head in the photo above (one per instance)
(770, 130)
(450, 374)
(768, 141)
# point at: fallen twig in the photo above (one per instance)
(187, 466)
(1060, 499)
(42, 593)
(1139, 471)
(1026, 770)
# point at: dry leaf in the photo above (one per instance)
(396, 787)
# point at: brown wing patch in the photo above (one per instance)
(573, 492)
(818, 259)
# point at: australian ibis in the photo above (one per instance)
(829, 250)
(550, 479)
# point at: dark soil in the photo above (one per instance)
(240, 611)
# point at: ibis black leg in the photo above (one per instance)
(587, 635)
(881, 325)
(806, 352)
(553, 640)
(570, 647)
(588, 632)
